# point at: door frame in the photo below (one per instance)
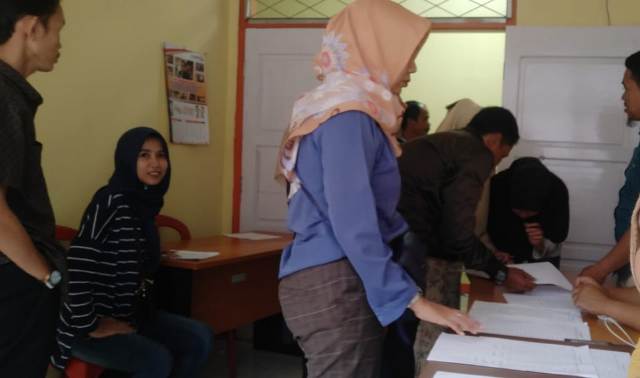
(244, 24)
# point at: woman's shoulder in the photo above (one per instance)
(350, 124)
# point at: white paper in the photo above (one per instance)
(192, 255)
(610, 364)
(252, 236)
(545, 274)
(544, 296)
(534, 313)
(523, 321)
(446, 374)
(514, 354)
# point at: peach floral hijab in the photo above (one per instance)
(366, 50)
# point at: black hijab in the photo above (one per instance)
(526, 185)
(145, 201)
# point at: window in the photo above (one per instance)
(449, 11)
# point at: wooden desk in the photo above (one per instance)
(485, 290)
(233, 289)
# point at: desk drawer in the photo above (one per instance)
(227, 297)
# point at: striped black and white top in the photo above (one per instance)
(104, 271)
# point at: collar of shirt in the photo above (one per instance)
(14, 77)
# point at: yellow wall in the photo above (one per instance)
(577, 12)
(454, 65)
(110, 78)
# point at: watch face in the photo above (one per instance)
(55, 277)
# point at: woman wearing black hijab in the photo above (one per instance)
(528, 212)
(107, 317)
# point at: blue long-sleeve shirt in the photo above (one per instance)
(349, 169)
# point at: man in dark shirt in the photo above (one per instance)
(415, 122)
(618, 257)
(30, 257)
(443, 176)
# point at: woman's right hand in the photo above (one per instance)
(444, 316)
(110, 326)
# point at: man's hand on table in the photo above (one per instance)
(595, 272)
(519, 281)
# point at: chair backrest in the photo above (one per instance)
(64, 233)
(181, 228)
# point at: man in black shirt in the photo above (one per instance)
(443, 176)
(29, 255)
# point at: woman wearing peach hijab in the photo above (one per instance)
(339, 284)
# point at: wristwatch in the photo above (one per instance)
(52, 279)
(500, 277)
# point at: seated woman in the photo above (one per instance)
(528, 212)
(107, 317)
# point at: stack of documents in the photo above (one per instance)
(184, 254)
(544, 296)
(252, 236)
(545, 273)
(534, 322)
(530, 356)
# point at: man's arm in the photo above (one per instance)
(16, 244)
(621, 304)
(614, 260)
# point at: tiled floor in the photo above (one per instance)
(253, 363)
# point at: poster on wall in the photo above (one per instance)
(187, 95)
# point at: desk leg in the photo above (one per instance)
(231, 353)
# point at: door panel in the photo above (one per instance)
(564, 87)
(278, 68)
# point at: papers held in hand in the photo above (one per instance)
(545, 274)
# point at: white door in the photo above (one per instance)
(278, 68)
(564, 86)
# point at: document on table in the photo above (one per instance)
(514, 354)
(523, 321)
(545, 274)
(544, 296)
(252, 236)
(191, 255)
(610, 364)
(446, 374)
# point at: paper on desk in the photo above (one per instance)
(252, 236)
(481, 308)
(192, 255)
(446, 374)
(514, 354)
(544, 296)
(610, 364)
(545, 274)
(514, 320)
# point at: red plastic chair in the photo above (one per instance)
(77, 368)
(64, 233)
(181, 228)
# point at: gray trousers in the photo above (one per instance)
(326, 309)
